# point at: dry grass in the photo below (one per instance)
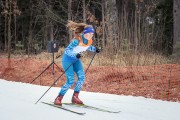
(107, 74)
(106, 59)
(128, 60)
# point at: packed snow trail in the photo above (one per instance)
(17, 103)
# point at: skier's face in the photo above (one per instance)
(88, 36)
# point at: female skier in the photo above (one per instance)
(81, 42)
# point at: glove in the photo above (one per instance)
(98, 50)
(78, 56)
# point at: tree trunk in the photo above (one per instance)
(29, 38)
(5, 29)
(45, 33)
(51, 31)
(15, 37)
(9, 30)
(29, 45)
(176, 26)
(135, 29)
(103, 24)
(70, 17)
(5, 34)
(84, 11)
(51, 27)
(111, 22)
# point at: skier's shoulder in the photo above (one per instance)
(74, 42)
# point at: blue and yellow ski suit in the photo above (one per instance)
(69, 57)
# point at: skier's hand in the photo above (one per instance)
(79, 55)
(98, 50)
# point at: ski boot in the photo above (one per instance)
(75, 99)
(58, 100)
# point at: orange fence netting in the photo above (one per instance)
(157, 81)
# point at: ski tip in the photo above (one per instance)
(82, 113)
(116, 111)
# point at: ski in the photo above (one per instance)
(63, 108)
(91, 107)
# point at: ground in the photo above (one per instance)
(159, 82)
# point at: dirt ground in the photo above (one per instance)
(159, 82)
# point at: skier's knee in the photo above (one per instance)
(70, 80)
(81, 75)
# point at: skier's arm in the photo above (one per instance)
(68, 50)
(93, 49)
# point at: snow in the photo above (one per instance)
(17, 102)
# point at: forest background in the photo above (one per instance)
(130, 32)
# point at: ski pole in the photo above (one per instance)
(90, 63)
(61, 75)
(55, 81)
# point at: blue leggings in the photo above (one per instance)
(79, 70)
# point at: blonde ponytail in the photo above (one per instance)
(76, 27)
